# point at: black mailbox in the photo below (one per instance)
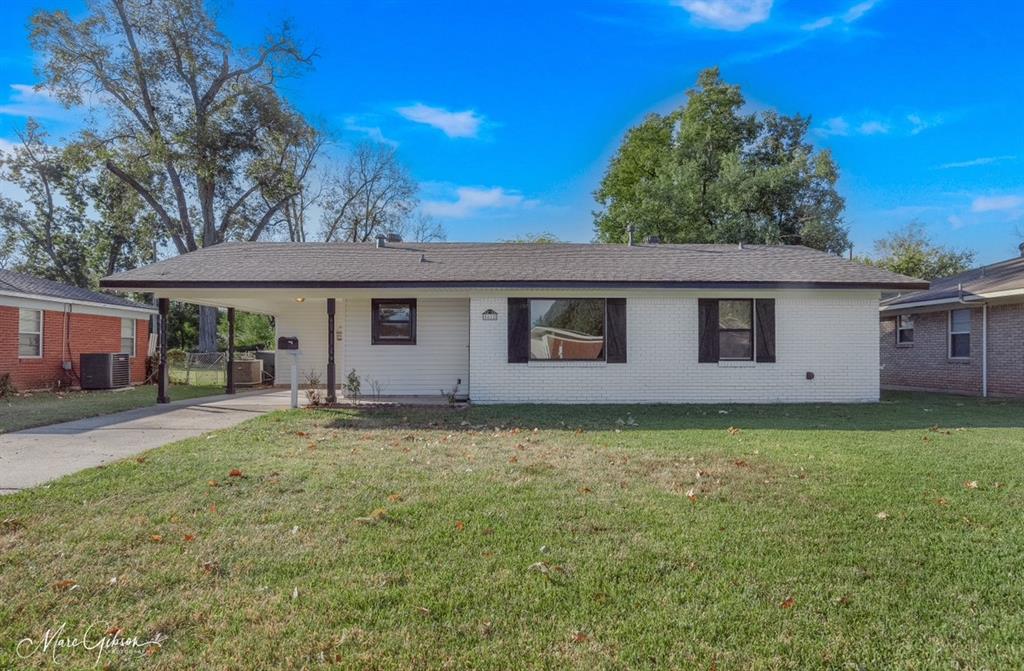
(287, 342)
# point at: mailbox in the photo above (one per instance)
(288, 343)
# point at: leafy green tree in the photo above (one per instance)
(709, 172)
(193, 125)
(252, 331)
(544, 237)
(910, 251)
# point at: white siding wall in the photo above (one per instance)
(439, 357)
(830, 333)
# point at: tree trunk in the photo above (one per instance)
(208, 328)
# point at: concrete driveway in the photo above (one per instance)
(34, 456)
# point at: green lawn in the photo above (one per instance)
(37, 409)
(723, 537)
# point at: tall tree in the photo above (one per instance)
(193, 126)
(373, 195)
(47, 227)
(911, 251)
(710, 172)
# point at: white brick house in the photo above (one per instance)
(556, 323)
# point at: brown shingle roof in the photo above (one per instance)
(311, 264)
(1003, 276)
(29, 285)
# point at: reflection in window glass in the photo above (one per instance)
(736, 330)
(960, 334)
(569, 329)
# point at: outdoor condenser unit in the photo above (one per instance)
(105, 371)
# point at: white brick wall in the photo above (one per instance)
(830, 333)
(833, 334)
(437, 360)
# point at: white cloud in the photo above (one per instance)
(471, 200)
(453, 124)
(984, 160)
(27, 101)
(352, 124)
(919, 123)
(996, 203)
(835, 126)
(849, 16)
(727, 14)
(873, 128)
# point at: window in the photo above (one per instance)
(567, 329)
(959, 334)
(736, 330)
(905, 330)
(128, 336)
(394, 321)
(30, 333)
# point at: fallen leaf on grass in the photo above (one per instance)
(584, 490)
(422, 610)
(213, 507)
(882, 515)
(378, 515)
(942, 502)
(156, 538)
(690, 494)
(579, 637)
(460, 525)
(740, 462)
(395, 498)
(971, 484)
(235, 473)
(140, 460)
(64, 585)
(188, 538)
(213, 483)
(732, 431)
(789, 602)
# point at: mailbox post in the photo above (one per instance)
(290, 344)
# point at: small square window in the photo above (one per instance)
(394, 321)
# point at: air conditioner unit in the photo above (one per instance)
(105, 370)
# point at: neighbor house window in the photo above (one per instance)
(394, 321)
(30, 333)
(959, 334)
(736, 330)
(905, 329)
(128, 336)
(567, 329)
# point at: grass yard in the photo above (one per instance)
(39, 408)
(719, 537)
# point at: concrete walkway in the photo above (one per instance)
(34, 456)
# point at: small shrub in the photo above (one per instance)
(450, 395)
(313, 397)
(352, 385)
(7, 387)
(376, 388)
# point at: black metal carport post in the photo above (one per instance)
(231, 351)
(164, 306)
(332, 394)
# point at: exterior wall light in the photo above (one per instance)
(300, 299)
(489, 315)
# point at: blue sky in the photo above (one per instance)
(507, 113)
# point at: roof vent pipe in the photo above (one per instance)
(740, 246)
(381, 241)
(630, 230)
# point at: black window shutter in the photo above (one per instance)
(765, 310)
(518, 330)
(615, 332)
(707, 317)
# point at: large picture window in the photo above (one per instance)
(736, 330)
(394, 321)
(128, 336)
(959, 334)
(30, 333)
(567, 329)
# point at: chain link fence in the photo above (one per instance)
(201, 368)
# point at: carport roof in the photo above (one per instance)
(329, 265)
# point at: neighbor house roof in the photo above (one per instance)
(997, 280)
(311, 264)
(18, 284)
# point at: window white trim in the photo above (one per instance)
(950, 333)
(42, 318)
(135, 328)
(900, 329)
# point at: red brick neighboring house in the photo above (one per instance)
(44, 325)
(963, 335)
